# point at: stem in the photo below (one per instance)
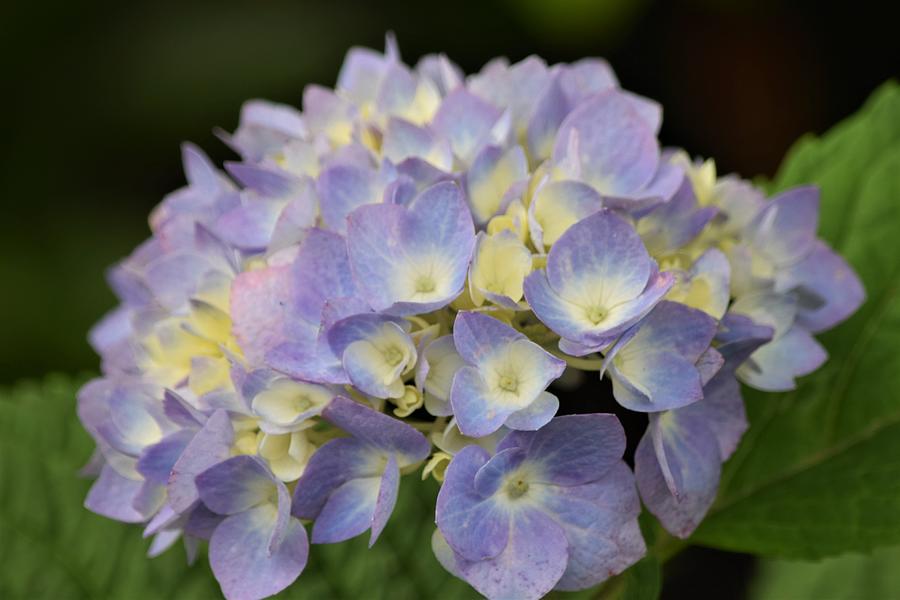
(582, 364)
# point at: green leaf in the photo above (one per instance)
(52, 547)
(846, 577)
(818, 472)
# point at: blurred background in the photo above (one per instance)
(98, 95)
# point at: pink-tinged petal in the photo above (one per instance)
(261, 310)
(573, 449)
(475, 526)
(240, 558)
(677, 466)
(774, 367)
(785, 230)
(617, 150)
(210, 445)
(112, 496)
(829, 289)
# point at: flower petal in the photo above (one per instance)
(240, 558)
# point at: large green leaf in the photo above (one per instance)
(847, 577)
(818, 472)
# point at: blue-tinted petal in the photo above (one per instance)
(785, 230)
(235, 485)
(677, 466)
(386, 433)
(573, 449)
(348, 512)
(529, 567)
(156, 461)
(600, 523)
(535, 415)
(829, 289)
(775, 365)
(387, 497)
(334, 463)
(477, 412)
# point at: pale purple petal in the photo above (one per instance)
(535, 415)
(785, 230)
(386, 433)
(412, 260)
(677, 467)
(829, 289)
(112, 496)
(235, 485)
(477, 412)
(386, 500)
(336, 462)
(617, 149)
(156, 461)
(474, 525)
(348, 512)
(465, 121)
(676, 222)
(775, 365)
(573, 449)
(240, 558)
(341, 189)
(209, 446)
(600, 523)
(529, 567)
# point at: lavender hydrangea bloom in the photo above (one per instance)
(599, 281)
(555, 508)
(504, 378)
(258, 549)
(395, 277)
(350, 484)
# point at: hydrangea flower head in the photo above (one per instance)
(393, 279)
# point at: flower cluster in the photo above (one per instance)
(392, 280)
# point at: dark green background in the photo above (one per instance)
(96, 97)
